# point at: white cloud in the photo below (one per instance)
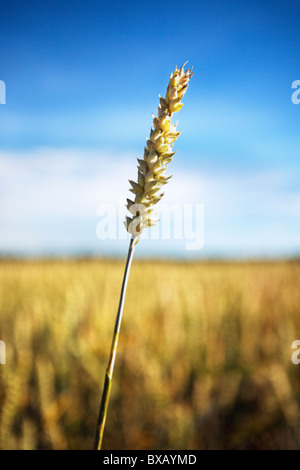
(49, 198)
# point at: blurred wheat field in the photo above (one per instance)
(204, 359)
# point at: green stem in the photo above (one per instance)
(113, 353)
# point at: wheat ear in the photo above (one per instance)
(157, 154)
(151, 177)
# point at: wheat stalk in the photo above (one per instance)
(151, 177)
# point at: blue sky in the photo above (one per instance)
(82, 79)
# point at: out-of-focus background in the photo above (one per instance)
(205, 350)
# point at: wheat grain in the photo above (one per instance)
(157, 154)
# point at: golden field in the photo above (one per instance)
(204, 358)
